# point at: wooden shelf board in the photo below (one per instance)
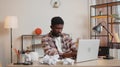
(99, 35)
(37, 45)
(115, 42)
(32, 35)
(99, 5)
(114, 3)
(106, 4)
(114, 23)
(102, 16)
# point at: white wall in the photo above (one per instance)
(38, 13)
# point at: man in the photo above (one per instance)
(56, 42)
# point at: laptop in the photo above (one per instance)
(87, 50)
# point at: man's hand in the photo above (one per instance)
(52, 51)
(69, 55)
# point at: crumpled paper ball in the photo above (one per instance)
(32, 56)
(51, 60)
(68, 61)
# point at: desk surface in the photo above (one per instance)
(93, 63)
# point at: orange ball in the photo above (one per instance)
(38, 31)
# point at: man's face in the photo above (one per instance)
(57, 29)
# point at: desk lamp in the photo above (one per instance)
(98, 29)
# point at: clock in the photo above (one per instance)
(55, 3)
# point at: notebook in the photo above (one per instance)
(87, 50)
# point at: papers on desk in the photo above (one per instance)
(32, 56)
(53, 60)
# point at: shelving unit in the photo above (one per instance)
(106, 19)
(33, 41)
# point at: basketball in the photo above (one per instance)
(38, 31)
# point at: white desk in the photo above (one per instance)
(94, 63)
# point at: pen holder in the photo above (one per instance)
(18, 60)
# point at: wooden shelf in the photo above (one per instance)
(106, 16)
(37, 45)
(102, 16)
(32, 35)
(106, 4)
(33, 39)
(114, 23)
(99, 35)
(115, 42)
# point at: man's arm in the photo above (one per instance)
(69, 55)
(71, 50)
(48, 50)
